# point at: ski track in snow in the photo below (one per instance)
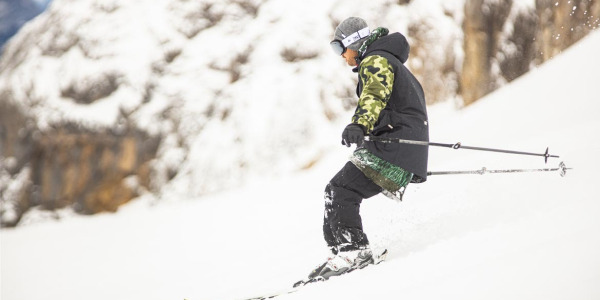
(506, 236)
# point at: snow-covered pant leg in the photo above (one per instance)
(342, 224)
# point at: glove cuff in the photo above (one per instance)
(362, 127)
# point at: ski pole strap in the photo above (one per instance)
(456, 146)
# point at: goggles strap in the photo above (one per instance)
(365, 32)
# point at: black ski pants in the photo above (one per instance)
(342, 225)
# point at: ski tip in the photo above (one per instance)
(299, 283)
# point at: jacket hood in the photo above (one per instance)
(395, 44)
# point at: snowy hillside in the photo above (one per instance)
(512, 236)
(221, 83)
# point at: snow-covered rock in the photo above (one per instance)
(230, 89)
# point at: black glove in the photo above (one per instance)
(353, 134)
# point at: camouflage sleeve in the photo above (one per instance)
(377, 77)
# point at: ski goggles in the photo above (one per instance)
(339, 47)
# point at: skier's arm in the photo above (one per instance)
(377, 77)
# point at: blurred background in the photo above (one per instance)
(106, 101)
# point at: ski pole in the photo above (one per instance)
(456, 146)
(561, 167)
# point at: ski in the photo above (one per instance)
(377, 259)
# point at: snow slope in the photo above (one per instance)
(511, 236)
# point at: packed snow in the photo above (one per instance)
(506, 236)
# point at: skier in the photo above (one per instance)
(391, 103)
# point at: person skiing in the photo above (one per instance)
(391, 103)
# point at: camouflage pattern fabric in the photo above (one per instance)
(377, 77)
(385, 174)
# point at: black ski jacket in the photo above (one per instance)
(404, 115)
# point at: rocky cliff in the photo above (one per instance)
(68, 165)
(504, 39)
